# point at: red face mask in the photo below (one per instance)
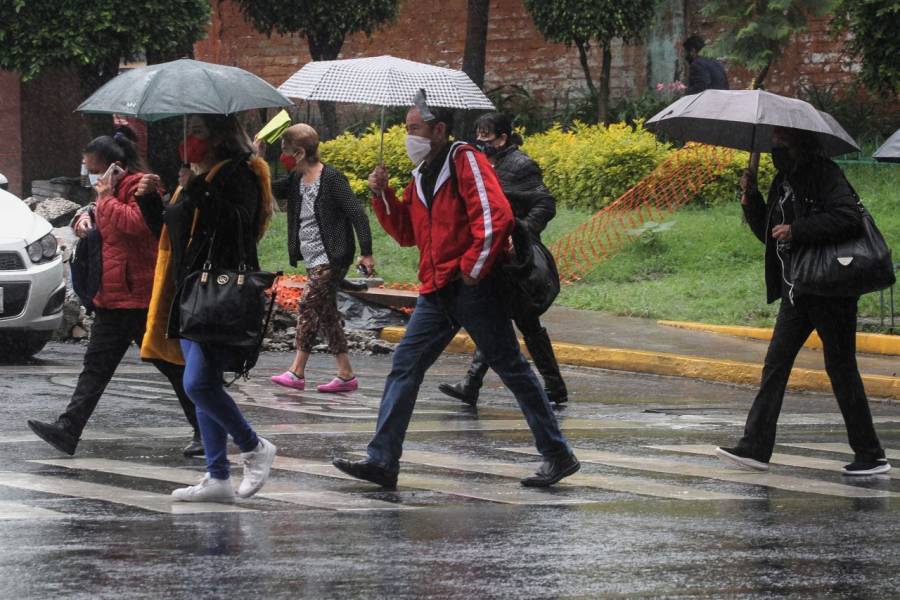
(288, 161)
(196, 149)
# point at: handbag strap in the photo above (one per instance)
(262, 334)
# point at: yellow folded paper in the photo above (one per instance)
(274, 128)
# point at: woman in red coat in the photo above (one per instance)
(128, 262)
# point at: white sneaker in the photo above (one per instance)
(257, 465)
(208, 490)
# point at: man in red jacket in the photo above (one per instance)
(455, 212)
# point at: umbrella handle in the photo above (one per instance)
(753, 164)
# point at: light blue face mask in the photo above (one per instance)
(93, 178)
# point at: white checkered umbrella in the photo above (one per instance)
(384, 81)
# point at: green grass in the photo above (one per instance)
(707, 267)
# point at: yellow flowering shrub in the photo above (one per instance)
(357, 156)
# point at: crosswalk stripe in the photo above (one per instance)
(787, 460)
(151, 501)
(614, 483)
(15, 510)
(426, 426)
(672, 467)
(839, 448)
(282, 491)
(500, 494)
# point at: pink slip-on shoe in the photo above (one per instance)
(339, 385)
(289, 380)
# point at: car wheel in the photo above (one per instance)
(21, 345)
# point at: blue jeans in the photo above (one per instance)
(217, 414)
(436, 319)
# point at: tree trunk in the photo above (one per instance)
(603, 96)
(583, 58)
(474, 56)
(761, 76)
(326, 49)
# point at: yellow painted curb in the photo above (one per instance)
(871, 343)
(661, 363)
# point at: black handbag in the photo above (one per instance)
(531, 277)
(225, 307)
(86, 266)
(850, 268)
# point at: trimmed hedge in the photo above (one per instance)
(586, 167)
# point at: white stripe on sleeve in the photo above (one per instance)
(486, 212)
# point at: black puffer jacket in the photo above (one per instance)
(523, 184)
(825, 211)
(338, 213)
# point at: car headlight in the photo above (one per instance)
(43, 249)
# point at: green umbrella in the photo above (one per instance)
(182, 87)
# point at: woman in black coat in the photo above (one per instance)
(323, 214)
(220, 212)
(810, 202)
(533, 206)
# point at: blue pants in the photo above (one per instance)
(436, 319)
(217, 414)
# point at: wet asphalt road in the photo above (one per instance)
(643, 522)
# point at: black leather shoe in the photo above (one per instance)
(195, 448)
(552, 471)
(56, 435)
(557, 397)
(460, 392)
(368, 471)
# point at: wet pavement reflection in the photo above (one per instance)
(651, 514)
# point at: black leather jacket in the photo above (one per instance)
(523, 184)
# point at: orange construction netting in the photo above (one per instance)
(674, 183)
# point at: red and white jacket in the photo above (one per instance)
(465, 230)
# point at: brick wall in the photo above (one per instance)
(11, 130)
(52, 134)
(434, 32)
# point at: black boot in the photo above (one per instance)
(467, 389)
(57, 434)
(194, 448)
(541, 350)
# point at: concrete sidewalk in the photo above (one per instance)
(590, 338)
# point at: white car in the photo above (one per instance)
(32, 281)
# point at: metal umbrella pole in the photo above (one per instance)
(387, 207)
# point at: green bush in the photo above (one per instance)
(589, 166)
(357, 156)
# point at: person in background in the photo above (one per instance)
(322, 214)
(220, 212)
(810, 202)
(120, 305)
(456, 213)
(533, 207)
(703, 73)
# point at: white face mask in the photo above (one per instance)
(417, 148)
(93, 178)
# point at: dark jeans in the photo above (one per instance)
(113, 331)
(436, 319)
(217, 413)
(835, 321)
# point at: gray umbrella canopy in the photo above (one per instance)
(890, 150)
(182, 87)
(744, 119)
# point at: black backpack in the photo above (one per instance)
(86, 266)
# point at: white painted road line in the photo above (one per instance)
(282, 491)
(839, 448)
(161, 503)
(672, 467)
(787, 460)
(501, 494)
(614, 483)
(15, 510)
